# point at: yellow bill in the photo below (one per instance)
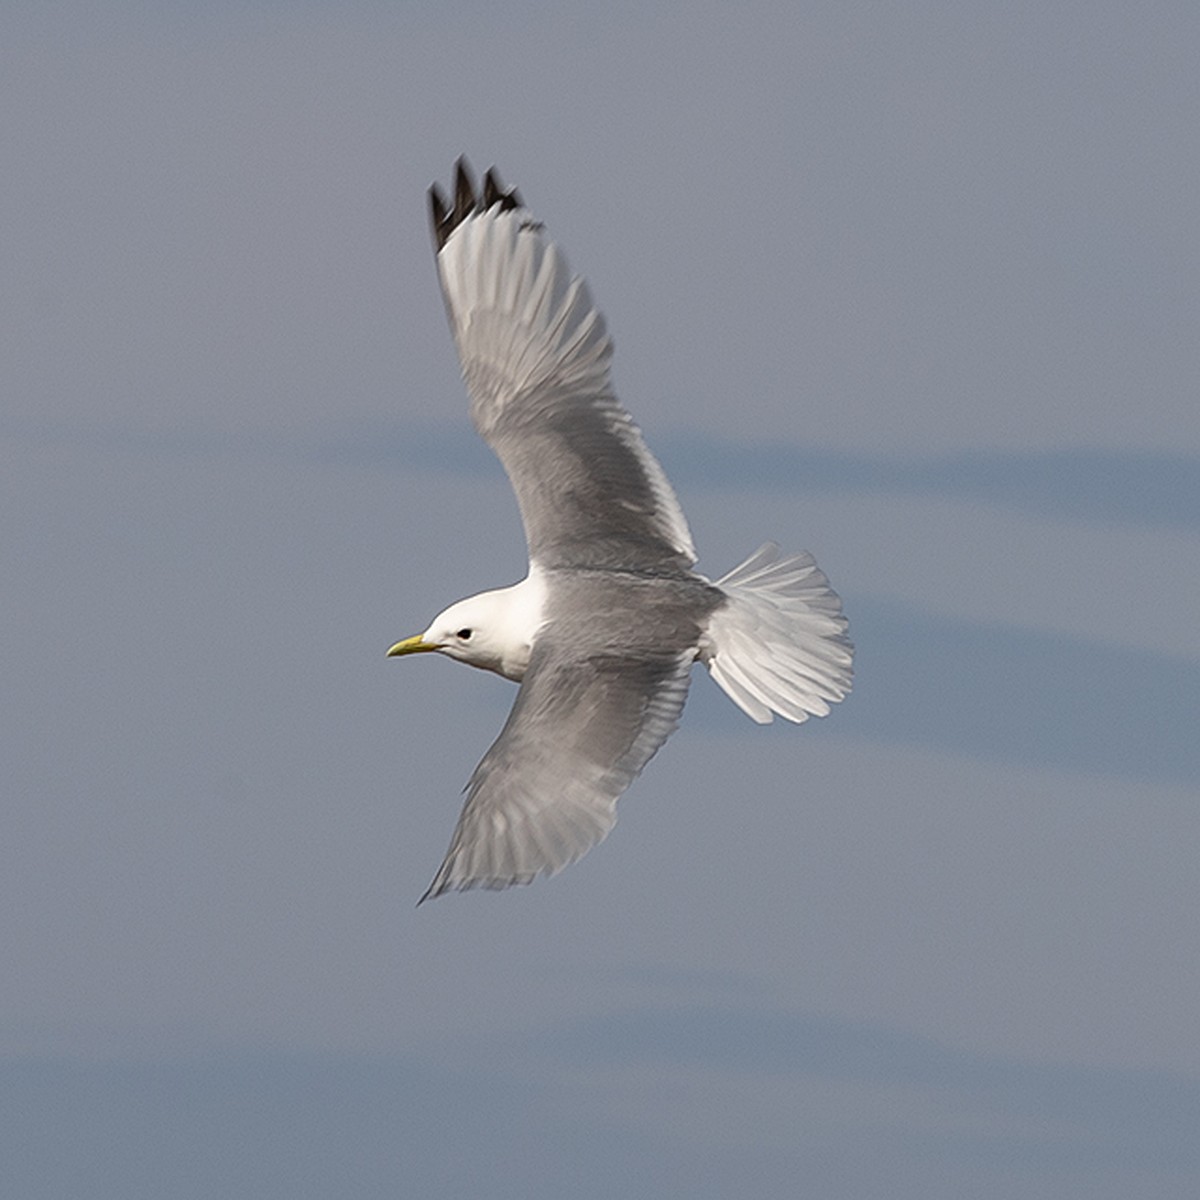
(412, 645)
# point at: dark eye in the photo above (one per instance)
(463, 635)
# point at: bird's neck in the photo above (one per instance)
(519, 616)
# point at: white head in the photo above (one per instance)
(493, 631)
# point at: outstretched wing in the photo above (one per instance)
(581, 729)
(536, 358)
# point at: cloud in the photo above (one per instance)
(616, 1102)
(1141, 488)
(1021, 696)
(267, 1125)
(1138, 488)
(1036, 1114)
(1132, 487)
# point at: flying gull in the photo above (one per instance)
(602, 632)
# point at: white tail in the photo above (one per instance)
(778, 644)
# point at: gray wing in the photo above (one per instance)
(582, 727)
(536, 359)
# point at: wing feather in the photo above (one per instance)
(536, 358)
(580, 731)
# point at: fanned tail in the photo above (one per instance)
(778, 644)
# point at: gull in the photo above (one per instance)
(603, 630)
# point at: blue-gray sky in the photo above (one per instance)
(914, 287)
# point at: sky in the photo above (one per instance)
(913, 287)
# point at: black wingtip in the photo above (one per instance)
(494, 193)
(464, 190)
(439, 216)
(434, 890)
(445, 218)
